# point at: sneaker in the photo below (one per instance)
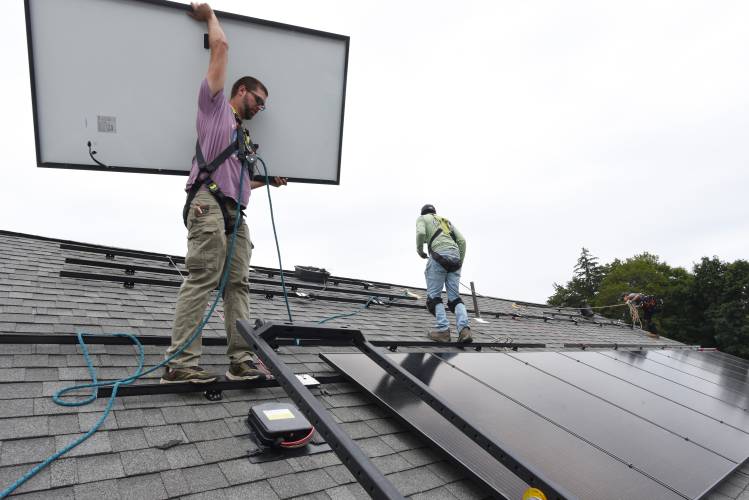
(465, 336)
(192, 374)
(246, 370)
(440, 335)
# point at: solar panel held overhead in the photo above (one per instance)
(123, 75)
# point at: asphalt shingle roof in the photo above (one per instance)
(182, 445)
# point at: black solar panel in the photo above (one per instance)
(427, 421)
(712, 388)
(711, 369)
(686, 396)
(598, 425)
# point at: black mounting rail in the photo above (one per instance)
(130, 281)
(130, 269)
(163, 340)
(263, 335)
(111, 253)
(616, 346)
(368, 475)
(220, 385)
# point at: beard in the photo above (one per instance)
(247, 113)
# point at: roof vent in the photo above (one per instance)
(312, 274)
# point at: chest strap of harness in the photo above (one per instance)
(245, 152)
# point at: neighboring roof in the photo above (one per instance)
(126, 458)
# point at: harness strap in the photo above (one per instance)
(240, 147)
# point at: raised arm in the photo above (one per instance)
(217, 43)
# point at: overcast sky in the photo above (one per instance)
(537, 127)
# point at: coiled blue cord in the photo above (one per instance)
(95, 384)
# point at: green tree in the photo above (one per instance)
(721, 295)
(645, 273)
(583, 286)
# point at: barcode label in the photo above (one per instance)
(106, 124)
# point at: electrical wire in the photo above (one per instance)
(370, 299)
(275, 235)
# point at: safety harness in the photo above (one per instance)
(245, 150)
(450, 265)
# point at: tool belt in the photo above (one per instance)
(450, 264)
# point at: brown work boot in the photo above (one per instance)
(246, 370)
(465, 336)
(192, 374)
(440, 335)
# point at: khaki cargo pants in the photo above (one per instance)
(207, 249)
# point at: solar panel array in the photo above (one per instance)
(603, 425)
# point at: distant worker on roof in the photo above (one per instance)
(447, 249)
(212, 204)
(649, 304)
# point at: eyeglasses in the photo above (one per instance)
(259, 100)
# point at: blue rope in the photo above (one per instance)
(95, 384)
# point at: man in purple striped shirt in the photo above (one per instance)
(214, 200)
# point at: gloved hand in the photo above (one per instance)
(423, 255)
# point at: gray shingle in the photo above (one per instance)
(352, 491)
(20, 390)
(63, 424)
(174, 482)
(144, 461)
(137, 488)
(178, 414)
(56, 494)
(374, 447)
(21, 427)
(385, 425)
(87, 420)
(64, 472)
(99, 468)
(207, 495)
(421, 456)
(218, 450)
(127, 439)
(391, 463)
(102, 490)
(25, 451)
(204, 477)
(40, 374)
(402, 441)
(466, 490)
(211, 412)
(312, 462)
(440, 493)
(358, 430)
(159, 436)
(237, 426)
(302, 483)
(96, 444)
(415, 481)
(139, 418)
(447, 471)
(183, 456)
(260, 490)
(202, 431)
(16, 408)
(340, 474)
(242, 470)
(8, 475)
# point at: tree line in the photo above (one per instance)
(708, 305)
